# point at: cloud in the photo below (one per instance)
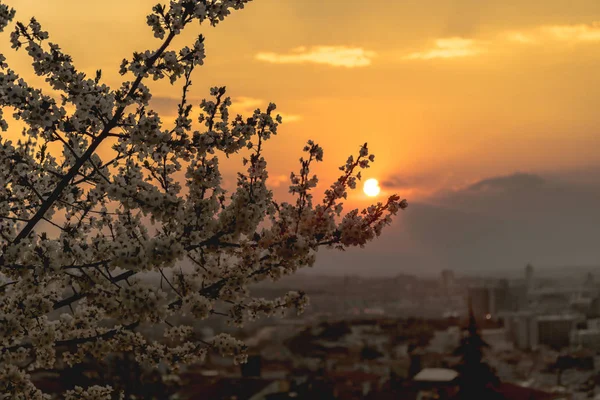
(419, 186)
(457, 46)
(247, 105)
(276, 181)
(525, 196)
(453, 47)
(167, 106)
(580, 32)
(410, 181)
(521, 37)
(290, 117)
(396, 181)
(525, 218)
(574, 33)
(515, 182)
(335, 56)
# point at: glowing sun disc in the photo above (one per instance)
(371, 187)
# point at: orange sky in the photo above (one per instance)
(445, 92)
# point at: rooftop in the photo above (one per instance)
(558, 317)
(436, 375)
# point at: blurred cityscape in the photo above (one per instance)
(391, 338)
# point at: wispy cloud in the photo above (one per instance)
(456, 47)
(335, 56)
(167, 106)
(276, 181)
(453, 47)
(575, 33)
(246, 105)
(290, 117)
(420, 186)
(580, 32)
(520, 37)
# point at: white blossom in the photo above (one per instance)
(91, 393)
(78, 230)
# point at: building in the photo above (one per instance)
(593, 324)
(231, 388)
(555, 330)
(436, 383)
(511, 391)
(489, 300)
(521, 328)
(586, 338)
(528, 330)
(448, 281)
(529, 276)
(497, 339)
(445, 341)
(480, 301)
(500, 297)
(589, 280)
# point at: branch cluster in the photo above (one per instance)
(79, 231)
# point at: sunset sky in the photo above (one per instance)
(448, 94)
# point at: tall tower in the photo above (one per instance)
(447, 281)
(589, 280)
(529, 277)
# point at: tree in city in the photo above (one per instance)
(81, 226)
(477, 380)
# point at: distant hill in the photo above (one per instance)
(498, 224)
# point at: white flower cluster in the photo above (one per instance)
(6, 15)
(227, 345)
(198, 305)
(91, 393)
(77, 230)
(255, 307)
(16, 385)
(169, 63)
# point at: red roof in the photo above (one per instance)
(516, 392)
(224, 388)
(354, 376)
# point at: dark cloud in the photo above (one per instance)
(515, 182)
(404, 181)
(395, 182)
(498, 224)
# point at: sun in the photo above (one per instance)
(371, 187)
